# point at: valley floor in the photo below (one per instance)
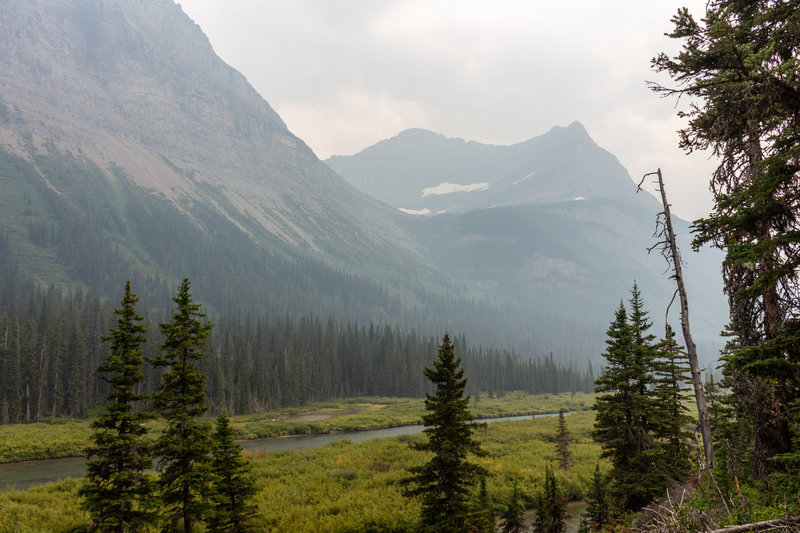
(346, 486)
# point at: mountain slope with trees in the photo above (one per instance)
(557, 225)
(129, 150)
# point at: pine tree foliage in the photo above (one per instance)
(481, 515)
(741, 64)
(672, 395)
(443, 483)
(598, 508)
(184, 447)
(551, 507)
(233, 482)
(513, 517)
(563, 453)
(732, 429)
(622, 415)
(118, 489)
(632, 419)
(50, 344)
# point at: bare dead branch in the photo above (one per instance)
(671, 253)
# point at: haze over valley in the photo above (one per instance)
(119, 123)
(379, 226)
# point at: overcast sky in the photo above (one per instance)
(346, 74)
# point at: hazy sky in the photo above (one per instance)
(346, 74)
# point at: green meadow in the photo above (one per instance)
(347, 486)
(61, 437)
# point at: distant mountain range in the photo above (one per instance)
(129, 150)
(424, 172)
(553, 225)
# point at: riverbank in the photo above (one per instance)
(349, 486)
(28, 474)
(58, 438)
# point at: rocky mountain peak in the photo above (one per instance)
(140, 70)
(135, 88)
(424, 172)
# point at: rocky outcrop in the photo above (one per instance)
(135, 86)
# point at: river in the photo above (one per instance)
(26, 474)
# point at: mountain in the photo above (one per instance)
(422, 171)
(128, 149)
(552, 226)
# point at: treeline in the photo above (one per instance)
(50, 347)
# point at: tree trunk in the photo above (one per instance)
(691, 349)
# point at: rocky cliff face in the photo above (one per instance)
(134, 85)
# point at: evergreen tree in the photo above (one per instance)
(443, 483)
(563, 453)
(184, 447)
(513, 519)
(625, 409)
(233, 482)
(481, 516)
(741, 64)
(597, 505)
(732, 430)
(671, 394)
(644, 351)
(551, 509)
(118, 490)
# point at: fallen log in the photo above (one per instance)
(785, 524)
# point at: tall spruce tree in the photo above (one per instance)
(741, 65)
(444, 482)
(671, 373)
(233, 482)
(625, 408)
(119, 492)
(184, 447)
(563, 454)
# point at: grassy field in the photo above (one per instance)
(65, 437)
(356, 487)
(345, 486)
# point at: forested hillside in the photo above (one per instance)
(548, 225)
(50, 348)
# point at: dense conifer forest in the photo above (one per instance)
(50, 346)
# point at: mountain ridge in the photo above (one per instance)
(558, 229)
(129, 150)
(164, 123)
(401, 171)
(125, 141)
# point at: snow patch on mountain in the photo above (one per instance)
(523, 179)
(448, 188)
(425, 211)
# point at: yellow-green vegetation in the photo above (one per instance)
(48, 508)
(352, 487)
(44, 440)
(69, 437)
